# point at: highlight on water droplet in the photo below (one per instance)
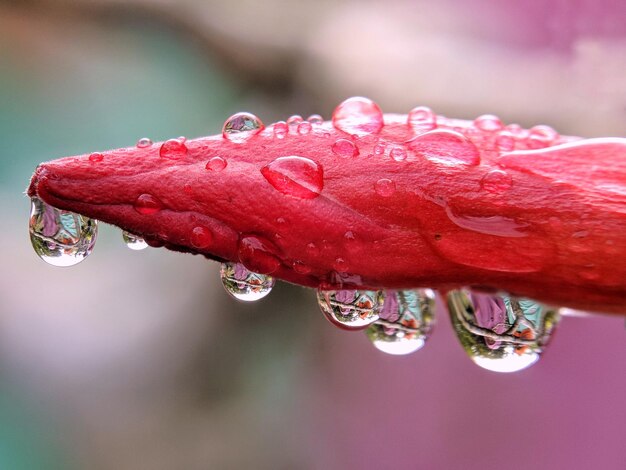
(488, 123)
(134, 242)
(174, 149)
(59, 237)
(96, 157)
(358, 116)
(295, 176)
(280, 129)
(385, 187)
(447, 148)
(422, 119)
(241, 126)
(144, 142)
(243, 284)
(405, 321)
(496, 181)
(345, 148)
(147, 204)
(216, 164)
(501, 333)
(350, 309)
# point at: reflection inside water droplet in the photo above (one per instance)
(60, 238)
(241, 126)
(350, 309)
(406, 321)
(133, 241)
(243, 284)
(501, 333)
(143, 143)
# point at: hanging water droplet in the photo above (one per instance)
(501, 333)
(447, 148)
(258, 254)
(398, 154)
(385, 187)
(133, 241)
(358, 116)
(216, 164)
(174, 149)
(350, 309)
(304, 128)
(345, 148)
(496, 181)
(315, 119)
(144, 142)
(96, 157)
(295, 176)
(60, 238)
(422, 119)
(147, 204)
(488, 123)
(243, 284)
(405, 323)
(241, 126)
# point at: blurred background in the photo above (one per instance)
(140, 360)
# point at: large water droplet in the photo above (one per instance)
(398, 154)
(498, 332)
(406, 321)
(173, 149)
(304, 127)
(421, 119)
(243, 284)
(315, 119)
(350, 309)
(295, 176)
(60, 238)
(446, 148)
(147, 204)
(258, 254)
(241, 126)
(358, 116)
(133, 241)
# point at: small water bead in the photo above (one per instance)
(447, 148)
(315, 119)
(241, 126)
(358, 116)
(517, 131)
(501, 333)
(96, 157)
(201, 237)
(488, 123)
(350, 309)
(280, 129)
(345, 148)
(304, 128)
(496, 181)
(134, 242)
(405, 323)
(295, 176)
(243, 284)
(379, 149)
(422, 119)
(293, 121)
(257, 254)
(60, 238)
(541, 136)
(173, 149)
(216, 164)
(385, 187)
(144, 142)
(398, 154)
(147, 204)
(505, 141)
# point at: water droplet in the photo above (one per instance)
(541, 136)
(385, 187)
(379, 149)
(350, 309)
(294, 120)
(498, 332)
(173, 149)
(358, 116)
(315, 119)
(345, 148)
(295, 176)
(405, 323)
(216, 164)
(281, 129)
(143, 143)
(505, 141)
(304, 127)
(258, 254)
(488, 123)
(96, 157)
(243, 284)
(517, 131)
(147, 204)
(201, 237)
(496, 181)
(422, 119)
(60, 238)
(446, 148)
(133, 241)
(300, 267)
(241, 126)
(398, 154)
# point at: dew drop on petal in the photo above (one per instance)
(201, 237)
(96, 157)
(350, 309)
(405, 321)
(241, 126)
(496, 181)
(501, 333)
(541, 136)
(280, 129)
(505, 141)
(315, 119)
(295, 176)
(447, 148)
(257, 254)
(59, 237)
(243, 284)
(398, 154)
(133, 241)
(385, 187)
(358, 116)
(379, 149)
(488, 123)
(345, 148)
(174, 149)
(421, 119)
(216, 164)
(143, 143)
(304, 128)
(147, 204)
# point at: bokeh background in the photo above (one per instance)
(139, 360)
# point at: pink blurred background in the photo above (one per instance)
(141, 360)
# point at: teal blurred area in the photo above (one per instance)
(140, 360)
